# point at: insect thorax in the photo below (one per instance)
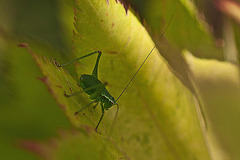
(107, 99)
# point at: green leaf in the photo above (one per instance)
(157, 117)
(156, 112)
(188, 30)
(217, 85)
(27, 108)
(58, 82)
(71, 145)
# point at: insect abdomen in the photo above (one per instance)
(88, 81)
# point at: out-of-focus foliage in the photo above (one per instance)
(183, 105)
(215, 83)
(27, 109)
(121, 36)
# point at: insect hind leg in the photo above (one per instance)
(74, 60)
(100, 119)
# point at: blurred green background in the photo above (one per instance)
(27, 110)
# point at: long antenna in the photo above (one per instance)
(146, 58)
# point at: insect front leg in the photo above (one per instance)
(100, 118)
(95, 105)
(114, 120)
(71, 95)
(84, 107)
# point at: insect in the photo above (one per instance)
(97, 91)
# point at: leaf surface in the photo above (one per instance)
(217, 84)
(157, 117)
